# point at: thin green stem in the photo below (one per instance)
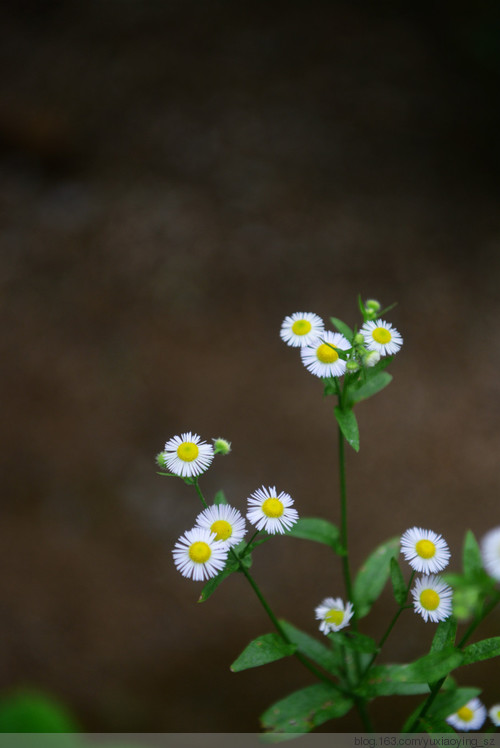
(198, 491)
(343, 525)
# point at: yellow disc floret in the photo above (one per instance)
(326, 354)
(335, 616)
(222, 529)
(425, 548)
(301, 327)
(200, 552)
(187, 451)
(465, 714)
(273, 507)
(381, 335)
(429, 599)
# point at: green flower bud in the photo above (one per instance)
(352, 367)
(161, 460)
(221, 446)
(358, 339)
(372, 307)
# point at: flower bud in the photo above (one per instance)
(372, 307)
(371, 359)
(161, 460)
(352, 367)
(221, 446)
(358, 339)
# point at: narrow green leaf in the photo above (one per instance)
(357, 642)
(448, 702)
(482, 650)
(260, 651)
(445, 634)
(398, 583)
(383, 680)
(304, 710)
(344, 329)
(348, 426)
(313, 649)
(432, 725)
(387, 309)
(372, 576)
(219, 498)
(170, 475)
(471, 556)
(214, 582)
(433, 666)
(379, 684)
(317, 529)
(370, 387)
(361, 305)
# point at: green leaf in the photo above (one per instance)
(31, 711)
(303, 710)
(361, 305)
(344, 329)
(472, 561)
(387, 309)
(359, 642)
(482, 650)
(433, 725)
(219, 498)
(370, 387)
(384, 680)
(313, 649)
(448, 702)
(399, 586)
(260, 651)
(445, 634)
(380, 683)
(170, 475)
(317, 529)
(213, 583)
(372, 576)
(348, 426)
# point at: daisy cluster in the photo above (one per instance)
(202, 552)
(428, 552)
(472, 716)
(330, 354)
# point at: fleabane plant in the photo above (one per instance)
(348, 665)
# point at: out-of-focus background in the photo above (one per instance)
(175, 178)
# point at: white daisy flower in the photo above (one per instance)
(432, 598)
(494, 714)
(271, 511)
(322, 359)
(187, 455)
(490, 552)
(197, 554)
(225, 522)
(471, 716)
(301, 328)
(425, 550)
(333, 614)
(382, 337)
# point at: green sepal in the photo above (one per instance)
(384, 680)
(344, 329)
(445, 634)
(319, 530)
(220, 498)
(483, 650)
(303, 710)
(213, 583)
(369, 388)
(261, 651)
(348, 425)
(371, 578)
(313, 649)
(399, 586)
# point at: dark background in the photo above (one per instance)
(175, 178)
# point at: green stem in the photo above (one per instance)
(343, 525)
(198, 491)
(437, 686)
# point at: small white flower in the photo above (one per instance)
(382, 337)
(494, 714)
(225, 522)
(333, 614)
(198, 555)
(432, 598)
(301, 328)
(425, 550)
(187, 455)
(271, 511)
(471, 716)
(322, 359)
(490, 552)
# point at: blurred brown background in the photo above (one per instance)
(175, 178)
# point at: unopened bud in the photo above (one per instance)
(352, 367)
(372, 307)
(221, 446)
(371, 359)
(358, 339)
(161, 460)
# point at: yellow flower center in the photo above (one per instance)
(200, 552)
(301, 327)
(425, 548)
(187, 451)
(497, 714)
(335, 616)
(326, 354)
(272, 507)
(222, 529)
(381, 335)
(429, 599)
(465, 714)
